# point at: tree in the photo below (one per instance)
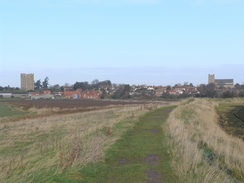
(203, 90)
(38, 84)
(237, 86)
(104, 94)
(117, 93)
(185, 83)
(126, 90)
(83, 85)
(55, 88)
(228, 94)
(45, 83)
(210, 90)
(168, 87)
(241, 94)
(94, 84)
(108, 82)
(95, 81)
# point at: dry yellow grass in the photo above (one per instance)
(54, 144)
(201, 150)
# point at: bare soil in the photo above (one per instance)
(153, 176)
(153, 160)
(67, 103)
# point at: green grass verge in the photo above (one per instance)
(128, 159)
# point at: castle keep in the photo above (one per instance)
(27, 82)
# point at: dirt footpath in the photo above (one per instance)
(140, 156)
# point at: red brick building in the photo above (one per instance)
(46, 92)
(72, 94)
(173, 92)
(90, 95)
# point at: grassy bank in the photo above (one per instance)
(201, 150)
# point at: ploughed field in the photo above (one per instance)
(67, 103)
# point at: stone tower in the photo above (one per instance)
(211, 78)
(26, 82)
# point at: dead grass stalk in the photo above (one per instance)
(201, 150)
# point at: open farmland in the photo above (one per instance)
(6, 110)
(147, 142)
(56, 147)
(40, 108)
(67, 103)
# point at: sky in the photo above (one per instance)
(152, 42)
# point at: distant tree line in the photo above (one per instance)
(94, 85)
(8, 88)
(39, 85)
(123, 91)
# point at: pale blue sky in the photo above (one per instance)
(154, 42)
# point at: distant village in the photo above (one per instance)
(29, 89)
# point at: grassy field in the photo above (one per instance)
(55, 148)
(7, 110)
(190, 142)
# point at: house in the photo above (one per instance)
(6, 95)
(42, 96)
(31, 94)
(150, 88)
(72, 94)
(46, 92)
(20, 95)
(160, 91)
(68, 88)
(173, 92)
(191, 90)
(38, 95)
(90, 95)
(180, 89)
